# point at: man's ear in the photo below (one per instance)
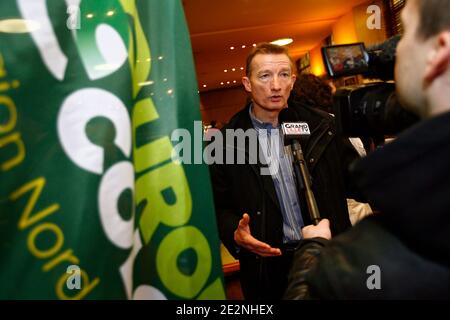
(247, 84)
(294, 77)
(439, 59)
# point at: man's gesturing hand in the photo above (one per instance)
(244, 238)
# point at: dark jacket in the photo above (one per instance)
(240, 189)
(409, 181)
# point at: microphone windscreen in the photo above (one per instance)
(288, 115)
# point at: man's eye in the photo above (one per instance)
(264, 76)
(285, 74)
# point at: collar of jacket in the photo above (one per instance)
(322, 129)
(408, 180)
(320, 123)
(242, 120)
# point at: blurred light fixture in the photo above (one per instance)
(18, 26)
(231, 48)
(282, 42)
(146, 83)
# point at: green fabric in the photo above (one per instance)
(86, 174)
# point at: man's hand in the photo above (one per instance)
(244, 238)
(322, 230)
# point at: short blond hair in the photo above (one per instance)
(266, 48)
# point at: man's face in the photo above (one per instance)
(411, 62)
(270, 82)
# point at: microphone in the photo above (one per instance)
(293, 131)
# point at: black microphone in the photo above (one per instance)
(293, 131)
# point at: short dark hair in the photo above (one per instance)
(312, 91)
(434, 17)
(266, 48)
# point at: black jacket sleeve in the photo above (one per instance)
(304, 261)
(227, 218)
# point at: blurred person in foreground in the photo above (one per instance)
(404, 252)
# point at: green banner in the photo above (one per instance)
(92, 206)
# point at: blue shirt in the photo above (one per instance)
(271, 142)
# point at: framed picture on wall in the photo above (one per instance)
(303, 64)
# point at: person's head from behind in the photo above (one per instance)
(312, 91)
(270, 77)
(422, 70)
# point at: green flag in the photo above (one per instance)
(92, 203)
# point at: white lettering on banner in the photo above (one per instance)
(113, 50)
(77, 110)
(116, 180)
(44, 37)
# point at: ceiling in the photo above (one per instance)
(217, 25)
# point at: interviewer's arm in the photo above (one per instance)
(315, 238)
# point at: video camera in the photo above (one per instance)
(372, 109)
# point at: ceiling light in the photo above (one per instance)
(243, 46)
(242, 68)
(234, 69)
(254, 44)
(110, 13)
(225, 70)
(90, 15)
(234, 81)
(204, 86)
(231, 48)
(18, 26)
(221, 83)
(146, 83)
(228, 82)
(282, 42)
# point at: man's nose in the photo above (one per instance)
(275, 84)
